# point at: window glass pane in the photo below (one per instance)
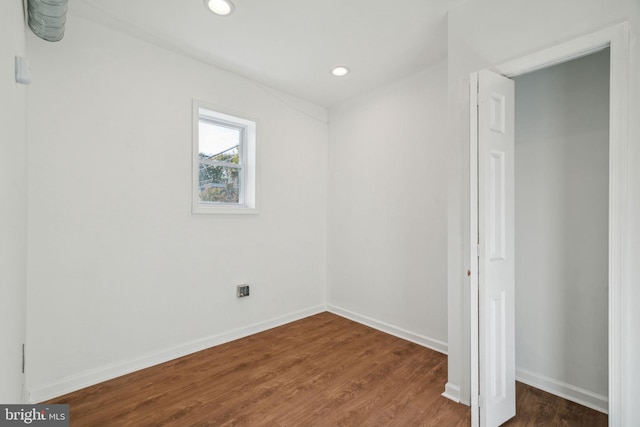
(224, 161)
(219, 142)
(219, 184)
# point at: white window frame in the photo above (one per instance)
(203, 111)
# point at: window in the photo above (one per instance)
(224, 162)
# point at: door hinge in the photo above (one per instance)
(480, 401)
(23, 358)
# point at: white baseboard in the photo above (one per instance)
(81, 380)
(422, 340)
(564, 390)
(24, 395)
(451, 392)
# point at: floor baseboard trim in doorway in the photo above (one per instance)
(451, 392)
(564, 390)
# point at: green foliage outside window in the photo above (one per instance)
(220, 183)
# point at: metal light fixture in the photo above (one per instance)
(47, 18)
(220, 7)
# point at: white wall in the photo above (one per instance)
(121, 274)
(387, 208)
(562, 178)
(486, 33)
(13, 205)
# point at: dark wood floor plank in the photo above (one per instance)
(320, 371)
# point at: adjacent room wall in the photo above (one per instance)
(122, 275)
(13, 202)
(387, 208)
(561, 208)
(483, 34)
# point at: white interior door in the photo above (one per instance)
(496, 263)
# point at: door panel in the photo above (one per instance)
(496, 264)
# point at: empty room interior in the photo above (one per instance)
(207, 206)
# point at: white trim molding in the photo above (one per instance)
(567, 391)
(618, 220)
(451, 392)
(432, 343)
(473, 251)
(94, 376)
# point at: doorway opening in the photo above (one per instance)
(616, 39)
(561, 229)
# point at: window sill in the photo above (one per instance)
(224, 210)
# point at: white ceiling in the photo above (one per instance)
(291, 45)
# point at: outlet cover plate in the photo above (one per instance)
(242, 291)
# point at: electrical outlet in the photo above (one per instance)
(242, 291)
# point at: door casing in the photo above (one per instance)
(616, 38)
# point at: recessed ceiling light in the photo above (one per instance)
(340, 71)
(220, 7)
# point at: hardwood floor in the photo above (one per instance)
(535, 407)
(320, 371)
